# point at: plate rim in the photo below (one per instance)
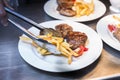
(104, 38)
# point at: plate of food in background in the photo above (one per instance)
(75, 10)
(109, 29)
(79, 45)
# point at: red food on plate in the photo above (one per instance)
(82, 50)
(111, 27)
(115, 30)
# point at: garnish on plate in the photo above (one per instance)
(114, 29)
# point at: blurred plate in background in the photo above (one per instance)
(51, 6)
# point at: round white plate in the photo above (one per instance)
(54, 63)
(51, 5)
(102, 29)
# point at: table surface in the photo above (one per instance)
(13, 67)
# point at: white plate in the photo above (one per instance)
(102, 29)
(51, 5)
(59, 64)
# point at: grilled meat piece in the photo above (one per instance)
(67, 12)
(117, 33)
(63, 29)
(65, 7)
(65, 4)
(76, 39)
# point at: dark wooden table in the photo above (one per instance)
(13, 67)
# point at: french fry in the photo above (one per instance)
(83, 12)
(67, 46)
(40, 49)
(91, 7)
(25, 39)
(69, 59)
(118, 25)
(116, 18)
(83, 8)
(63, 49)
(43, 51)
(64, 54)
(61, 45)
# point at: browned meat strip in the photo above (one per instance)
(76, 39)
(65, 3)
(67, 12)
(117, 34)
(63, 29)
(65, 7)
